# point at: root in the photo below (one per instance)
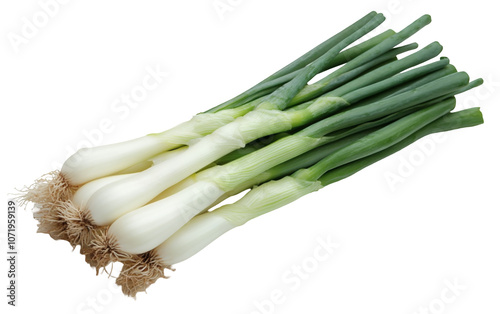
(47, 194)
(138, 274)
(80, 226)
(50, 222)
(103, 249)
(49, 189)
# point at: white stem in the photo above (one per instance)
(179, 186)
(91, 163)
(145, 228)
(205, 228)
(166, 156)
(192, 238)
(83, 194)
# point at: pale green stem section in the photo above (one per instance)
(231, 175)
(265, 198)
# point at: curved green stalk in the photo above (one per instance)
(378, 140)
(280, 98)
(288, 72)
(455, 120)
(439, 73)
(383, 107)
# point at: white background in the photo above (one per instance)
(400, 245)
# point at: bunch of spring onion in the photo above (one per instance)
(148, 203)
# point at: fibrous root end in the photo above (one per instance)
(138, 274)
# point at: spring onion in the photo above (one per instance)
(151, 202)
